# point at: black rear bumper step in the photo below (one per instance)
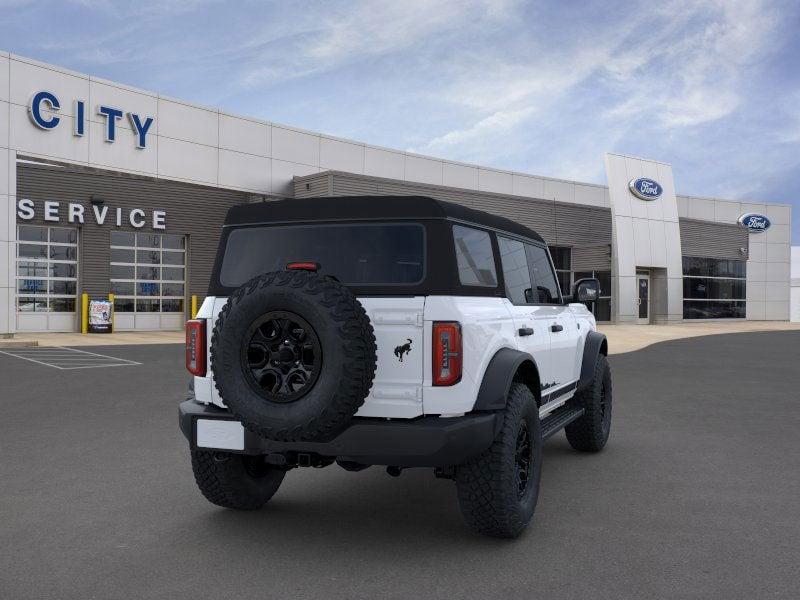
(558, 419)
(422, 442)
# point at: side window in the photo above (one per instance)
(515, 271)
(474, 256)
(544, 280)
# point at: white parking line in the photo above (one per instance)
(67, 359)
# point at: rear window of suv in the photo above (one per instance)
(356, 254)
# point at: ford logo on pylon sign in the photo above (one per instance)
(754, 222)
(646, 189)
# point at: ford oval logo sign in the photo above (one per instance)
(754, 222)
(646, 189)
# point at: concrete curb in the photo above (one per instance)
(18, 344)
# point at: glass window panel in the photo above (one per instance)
(175, 242)
(148, 306)
(605, 282)
(31, 233)
(474, 257)
(564, 281)
(562, 257)
(31, 304)
(123, 256)
(173, 258)
(148, 240)
(124, 304)
(172, 274)
(172, 305)
(544, 280)
(147, 289)
(515, 270)
(63, 235)
(602, 309)
(172, 289)
(62, 304)
(63, 288)
(714, 267)
(714, 289)
(123, 238)
(714, 309)
(583, 275)
(122, 288)
(63, 253)
(147, 272)
(32, 251)
(31, 286)
(118, 272)
(32, 269)
(148, 257)
(356, 254)
(63, 270)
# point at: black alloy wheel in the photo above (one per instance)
(281, 356)
(522, 460)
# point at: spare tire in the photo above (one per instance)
(293, 355)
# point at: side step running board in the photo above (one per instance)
(558, 419)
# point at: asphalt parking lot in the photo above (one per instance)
(696, 496)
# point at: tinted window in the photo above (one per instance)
(391, 254)
(474, 257)
(515, 270)
(544, 280)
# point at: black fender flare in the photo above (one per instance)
(596, 344)
(499, 376)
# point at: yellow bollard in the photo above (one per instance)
(194, 307)
(113, 312)
(84, 313)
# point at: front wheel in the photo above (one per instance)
(590, 432)
(235, 480)
(498, 490)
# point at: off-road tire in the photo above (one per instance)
(347, 341)
(235, 480)
(589, 433)
(487, 485)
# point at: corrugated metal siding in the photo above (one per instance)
(713, 240)
(558, 223)
(591, 258)
(194, 211)
(319, 185)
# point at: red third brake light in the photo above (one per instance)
(302, 266)
(196, 347)
(447, 354)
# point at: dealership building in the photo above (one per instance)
(106, 189)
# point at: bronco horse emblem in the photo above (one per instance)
(399, 351)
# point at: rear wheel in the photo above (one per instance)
(498, 490)
(235, 480)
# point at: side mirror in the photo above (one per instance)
(528, 296)
(586, 290)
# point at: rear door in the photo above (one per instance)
(397, 387)
(557, 318)
(531, 323)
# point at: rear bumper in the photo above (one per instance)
(423, 442)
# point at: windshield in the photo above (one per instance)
(356, 254)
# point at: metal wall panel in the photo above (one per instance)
(191, 210)
(713, 240)
(558, 223)
(591, 258)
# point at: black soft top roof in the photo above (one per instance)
(345, 208)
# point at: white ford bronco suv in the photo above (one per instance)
(397, 331)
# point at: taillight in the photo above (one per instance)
(447, 357)
(196, 347)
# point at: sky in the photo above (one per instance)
(547, 88)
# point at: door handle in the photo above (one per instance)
(523, 331)
(555, 328)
